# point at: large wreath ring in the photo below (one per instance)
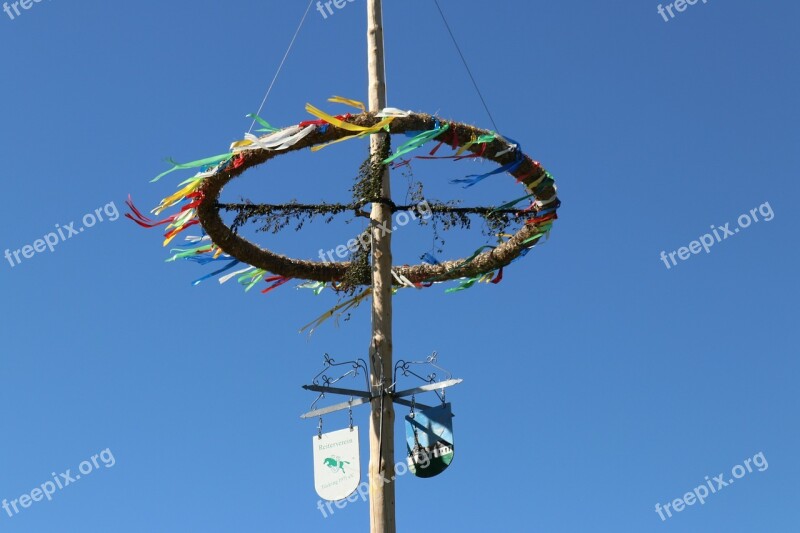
(536, 180)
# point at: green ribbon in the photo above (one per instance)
(463, 263)
(188, 252)
(534, 238)
(251, 278)
(542, 231)
(486, 138)
(194, 164)
(316, 286)
(512, 203)
(465, 284)
(416, 142)
(267, 126)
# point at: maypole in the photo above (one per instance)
(429, 436)
(381, 428)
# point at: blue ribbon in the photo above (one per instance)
(233, 263)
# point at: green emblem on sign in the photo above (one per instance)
(336, 464)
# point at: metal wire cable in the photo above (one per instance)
(283, 61)
(464, 60)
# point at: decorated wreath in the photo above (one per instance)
(197, 201)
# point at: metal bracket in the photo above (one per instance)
(335, 390)
(334, 408)
(365, 397)
(361, 397)
(427, 388)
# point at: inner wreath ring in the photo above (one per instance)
(528, 172)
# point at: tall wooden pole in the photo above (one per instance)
(381, 434)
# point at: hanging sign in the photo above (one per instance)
(429, 440)
(337, 467)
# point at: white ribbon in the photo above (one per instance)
(404, 281)
(227, 277)
(279, 140)
(393, 112)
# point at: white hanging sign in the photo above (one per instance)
(337, 467)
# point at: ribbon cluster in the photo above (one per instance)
(201, 250)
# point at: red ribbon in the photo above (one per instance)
(144, 221)
(545, 218)
(276, 281)
(499, 276)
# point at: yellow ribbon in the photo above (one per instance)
(531, 187)
(177, 197)
(347, 101)
(341, 308)
(239, 144)
(360, 131)
(341, 124)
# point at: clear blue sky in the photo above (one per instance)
(598, 382)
